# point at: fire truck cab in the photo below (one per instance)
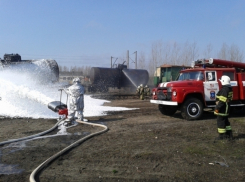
(196, 88)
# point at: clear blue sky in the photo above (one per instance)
(89, 32)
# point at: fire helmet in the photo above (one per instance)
(225, 80)
(76, 80)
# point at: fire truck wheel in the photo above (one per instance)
(167, 110)
(192, 109)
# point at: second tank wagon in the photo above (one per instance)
(103, 78)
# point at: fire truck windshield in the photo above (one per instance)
(194, 75)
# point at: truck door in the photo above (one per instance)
(211, 86)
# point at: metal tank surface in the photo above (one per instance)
(102, 78)
(41, 70)
(105, 76)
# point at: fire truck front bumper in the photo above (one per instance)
(163, 102)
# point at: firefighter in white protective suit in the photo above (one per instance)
(76, 101)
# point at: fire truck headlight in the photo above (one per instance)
(174, 93)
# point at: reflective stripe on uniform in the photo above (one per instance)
(228, 128)
(225, 99)
(221, 114)
(226, 108)
(222, 98)
(221, 130)
(230, 95)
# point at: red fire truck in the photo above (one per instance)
(196, 88)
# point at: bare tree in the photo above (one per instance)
(189, 53)
(185, 54)
(175, 54)
(235, 53)
(170, 53)
(232, 53)
(223, 53)
(156, 56)
(194, 51)
(65, 69)
(60, 68)
(141, 61)
(86, 71)
(166, 55)
(208, 51)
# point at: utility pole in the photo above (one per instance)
(111, 61)
(135, 59)
(128, 59)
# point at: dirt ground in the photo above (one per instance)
(141, 145)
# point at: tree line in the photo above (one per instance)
(83, 70)
(172, 53)
(177, 54)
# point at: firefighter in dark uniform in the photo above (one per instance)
(138, 91)
(222, 109)
(147, 91)
(141, 92)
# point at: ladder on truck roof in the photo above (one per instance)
(218, 63)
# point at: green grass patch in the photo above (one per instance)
(240, 121)
(194, 150)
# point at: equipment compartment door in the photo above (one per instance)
(211, 86)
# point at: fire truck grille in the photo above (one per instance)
(164, 96)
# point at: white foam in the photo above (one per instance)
(23, 97)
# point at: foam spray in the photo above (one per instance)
(23, 95)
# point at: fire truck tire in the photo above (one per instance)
(192, 109)
(167, 110)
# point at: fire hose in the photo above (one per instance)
(75, 144)
(45, 163)
(57, 106)
(31, 136)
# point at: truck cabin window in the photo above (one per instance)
(195, 75)
(210, 76)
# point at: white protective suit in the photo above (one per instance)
(76, 100)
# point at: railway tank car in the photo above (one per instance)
(41, 70)
(103, 78)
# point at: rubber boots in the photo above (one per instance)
(229, 134)
(221, 136)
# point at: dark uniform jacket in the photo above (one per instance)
(223, 98)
